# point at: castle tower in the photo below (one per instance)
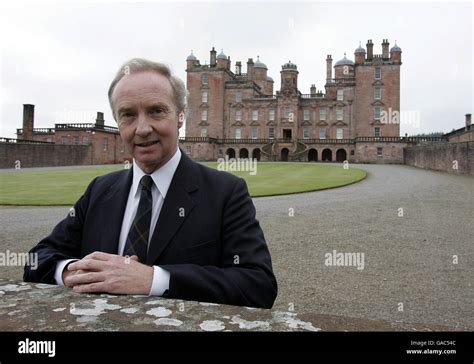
(222, 61)
(344, 68)
(206, 85)
(359, 55)
(376, 107)
(289, 78)
(396, 54)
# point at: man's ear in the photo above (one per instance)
(181, 119)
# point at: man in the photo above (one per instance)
(168, 226)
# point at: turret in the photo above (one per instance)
(359, 55)
(396, 54)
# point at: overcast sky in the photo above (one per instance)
(62, 57)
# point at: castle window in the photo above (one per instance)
(105, 144)
(379, 152)
(203, 133)
(271, 133)
(377, 113)
(340, 95)
(254, 133)
(306, 114)
(205, 79)
(378, 73)
(340, 114)
(377, 93)
(271, 115)
(238, 133)
(238, 96)
(322, 114)
(377, 132)
(238, 115)
(322, 133)
(306, 133)
(64, 140)
(255, 115)
(287, 112)
(188, 150)
(204, 96)
(339, 133)
(85, 140)
(204, 115)
(75, 140)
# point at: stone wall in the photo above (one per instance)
(368, 152)
(42, 307)
(44, 155)
(457, 158)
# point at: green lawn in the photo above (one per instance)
(65, 186)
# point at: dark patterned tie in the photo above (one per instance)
(137, 240)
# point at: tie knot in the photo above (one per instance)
(146, 182)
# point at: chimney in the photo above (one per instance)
(250, 68)
(385, 45)
(213, 57)
(238, 68)
(99, 121)
(468, 122)
(28, 121)
(370, 50)
(313, 90)
(328, 69)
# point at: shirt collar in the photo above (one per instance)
(161, 177)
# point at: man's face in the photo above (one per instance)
(147, 118)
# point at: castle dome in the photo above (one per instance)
(359, 49)
(259, 64)
(289, 66)
(344, 62)
(191, 57)
(221, 55)
(395, 48)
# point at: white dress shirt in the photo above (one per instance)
(162, 180)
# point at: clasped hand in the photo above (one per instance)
(110, 273)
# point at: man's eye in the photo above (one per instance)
(127, 114)
(157, 111)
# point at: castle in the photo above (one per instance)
(236, 114)
(239, 114)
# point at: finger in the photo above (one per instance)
(100, 256)
(89, 288)
(135, 258)
(84, 278)
(88, 265)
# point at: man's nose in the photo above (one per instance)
(143, 126)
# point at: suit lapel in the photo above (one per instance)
(177, 206)
(113, 207)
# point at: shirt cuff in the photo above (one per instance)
(161, 281)
(58, 274)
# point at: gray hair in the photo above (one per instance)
(141, 65)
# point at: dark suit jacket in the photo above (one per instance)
(215, 253)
